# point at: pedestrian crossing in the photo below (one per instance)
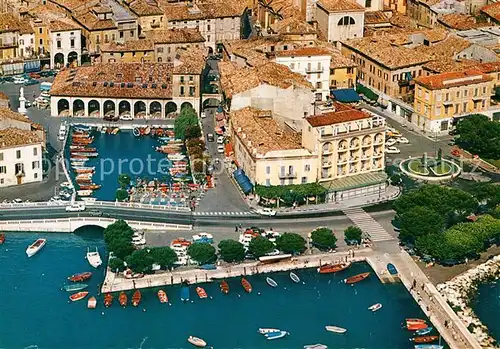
(367, 224)
(222, 213)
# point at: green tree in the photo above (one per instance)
(124, 180)
(186, 118)
(260, 246)
(477, 134)
(116, 264)
(164, 256)
(291, 243)
(324, 238)
(118, 238)
(202, 253)
(192, 131)
(353, 233)
(140, 261)
(419, 221)
(121, 194)
(231, 251)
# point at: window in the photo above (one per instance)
(182, 79)
(292, 66)
(208, 27)
(484, 90)
(72, 43)
(268, 169)
(159, 59)
(438, 111)
(18, 154)
(35, 151)
(475, 92)
(191, 78)
(159, 50)
(307, 168)
(268, 182)
(40, 30)
(182, 90)
(41, 42)
(458, 94)
(368, 3)
(304, 180)
(106, 38)
(346, 20)
(132, 33)
(35, 165)
(121, 35)
(1, 181)
(208, 37)
(58, 44)
(419, 92)
(19, 168)
(1, 156)
(113, 37)
(282, 182)
(3, 169)
(35, 175)
(191, 90)
(426, 95)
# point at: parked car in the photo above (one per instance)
(34, 75)
(31, 82)
(220, 140)
(19, 80)
(392, 150)
(95, 213)
(266, 211)
(220, 149)
(274, 252)
(390, 142)
(403, 140)
(210, 137)
(126, 117)
(74, 207)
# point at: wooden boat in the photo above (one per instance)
(246, 285)
(91, 186)
(224, 287)
(392, 269)
(74, 287)
(357, 278)
(84, 170)
(81, 148)
(375, 307)
(35, 247)
(415, 320)
(276, 335)
(115, 131)
(79, 157)
(108, 299)
(197, 342)
(78, 296)
(84, 193)
(162, 296)
(201, 292)
(424, 331)
(424, 339)
(92, 303)
(416, 326)
(294, 277)
(2, 238)
(208, 267)
(84, 181)
(122, 299)
(333, 268)
(136, 298)
(147, 130)
(80, 277)
(136, 132)
(335, 329)
(428, 346)
(271, 282)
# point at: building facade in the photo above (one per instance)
(65, 44)
(9, 36)
(340, 19)
(166, 42)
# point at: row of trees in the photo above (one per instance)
(477, 134)
(186, 125)
(290, 194)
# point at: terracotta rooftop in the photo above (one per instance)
(490, 67)
(445, 65)
(71, 4)
(3, 96)
(260, 133)
(293, 26)
(89, 20)
(145, 8)
(402, 21)
(25, 27)
(128, 46)
(458, 21)
(492, 10)
(200, 10)
(235, 80)
(444, 49)
(376, 17)
(6, 113)
(340, 5)
(175, 36)
(342, 113)
(190, 61)
(304, 51)
(62, 25)
(9, 23)
(116, 80)
(11, 137)
(453, 79)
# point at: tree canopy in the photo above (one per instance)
(118, 238)
(121, 194)
(419, 221)
(165, 257)
(192, 131)
(291, 193)
(124, 180)
(353, 233)
(140, 261)
(202, 253)
(324, 238)
(291, 243)
(231, 251)
(260, 246)
(186, 118)
(478, 135)
(116, 264)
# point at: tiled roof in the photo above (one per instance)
(70, 4)
(11, 137)
(402, 21)
(342, 113)
(200, 10)
(458, 21)
(8, 23)
(375, 17)
(452, 79)
(340, 5)
(3, 96)
(293, 25)
(259, 132)
(91, 22)
(61, 25)
(25, 27)
(6, 113)
(304, 51)
(128, 46)
(448, 65)
(235, 80)
(175, 36)
(129, 80)
(145, 8)
(492, 10)
(444, 49)
(490, 67)
(191, 61)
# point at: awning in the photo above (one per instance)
(243, 181)
(346, 95)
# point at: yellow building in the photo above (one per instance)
(9, 36)
(133, 51)
(342, 72)
(396, 5)
(150, 15)
(442, 97)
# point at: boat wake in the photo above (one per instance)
(143, 341)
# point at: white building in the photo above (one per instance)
(65, 43)
(26, 40)
(20, 157)
(340, 19)
(313, 63)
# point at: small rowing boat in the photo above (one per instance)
(224, 287)
(428, 346)
(92, 303)
(90, 186)
(335, 329)
(162, 296)
(414, 321)
(201, 292)
(108, 299)
(375, 307)
(84, 193)
(276, 335)
(122, 299)
(78, 296)
(80, 277)
(357, 278)
(294, 277)
(246, 285)
(333, 268)
(74, 287)
(35, 247)
(271, 282)
(315, 346)
(136, 298)
(424, 339)
(197, 342)
(416, 326)
(424, 331)
(2, 238)
(392, 269)
(185, 294)
(268, 330)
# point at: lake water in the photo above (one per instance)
(487, 306)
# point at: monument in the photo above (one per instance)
(22, 102)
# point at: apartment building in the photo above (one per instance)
(166, 42)
(149, 15)
(9, 36)
(65, 43)
(340, 19)
(132, 51)
(441, 98)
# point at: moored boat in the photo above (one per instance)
(185, 294)
(424, 339)
(122, 299)
(91, 186)
(315, 346)
(94, 258)
(333, 268)
(416, 326)
(392, 269)
(201, 292)
(375, 307)
(136, 132)
(2, 238)
(335, 329)
(424, 331)
(246, 285)
(80, 277)
(197, 342)
(428, 346)
(271, 282)
(415, 320)
(35, 247)
(108, 300)
(78, 296)
(357, 278)
(294, 277)
(84, 193)
(224, 287)
(162, 296)
(92, 303)
(208, 267)
(276, 335)
(136, 298)
(268, 330)
(74, 287)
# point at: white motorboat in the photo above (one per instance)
(176, 157)
(271, 282)
(294, 277)
(335, 329)
(315, 346)
(197, 342)
(84, 193)
(276, 335)
(375, 307)
(94, 258)
(268, 330)
(35, 247)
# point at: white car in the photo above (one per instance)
(403, 140)
(392, 150)
(273, 253)
(19, 80)
(138, 240)
(220, 140)
(203, 115)
(220, 149)
(75, 207)
(266, 211)
(126, 117)
(390, 142)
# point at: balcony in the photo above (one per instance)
(354, 146)
(310, 70)
(342, 149)
(326, 164)
(155, 25)
(367, 144)
(341, 160)
(287, 175)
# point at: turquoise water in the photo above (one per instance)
(487, 306)
(34, 311)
